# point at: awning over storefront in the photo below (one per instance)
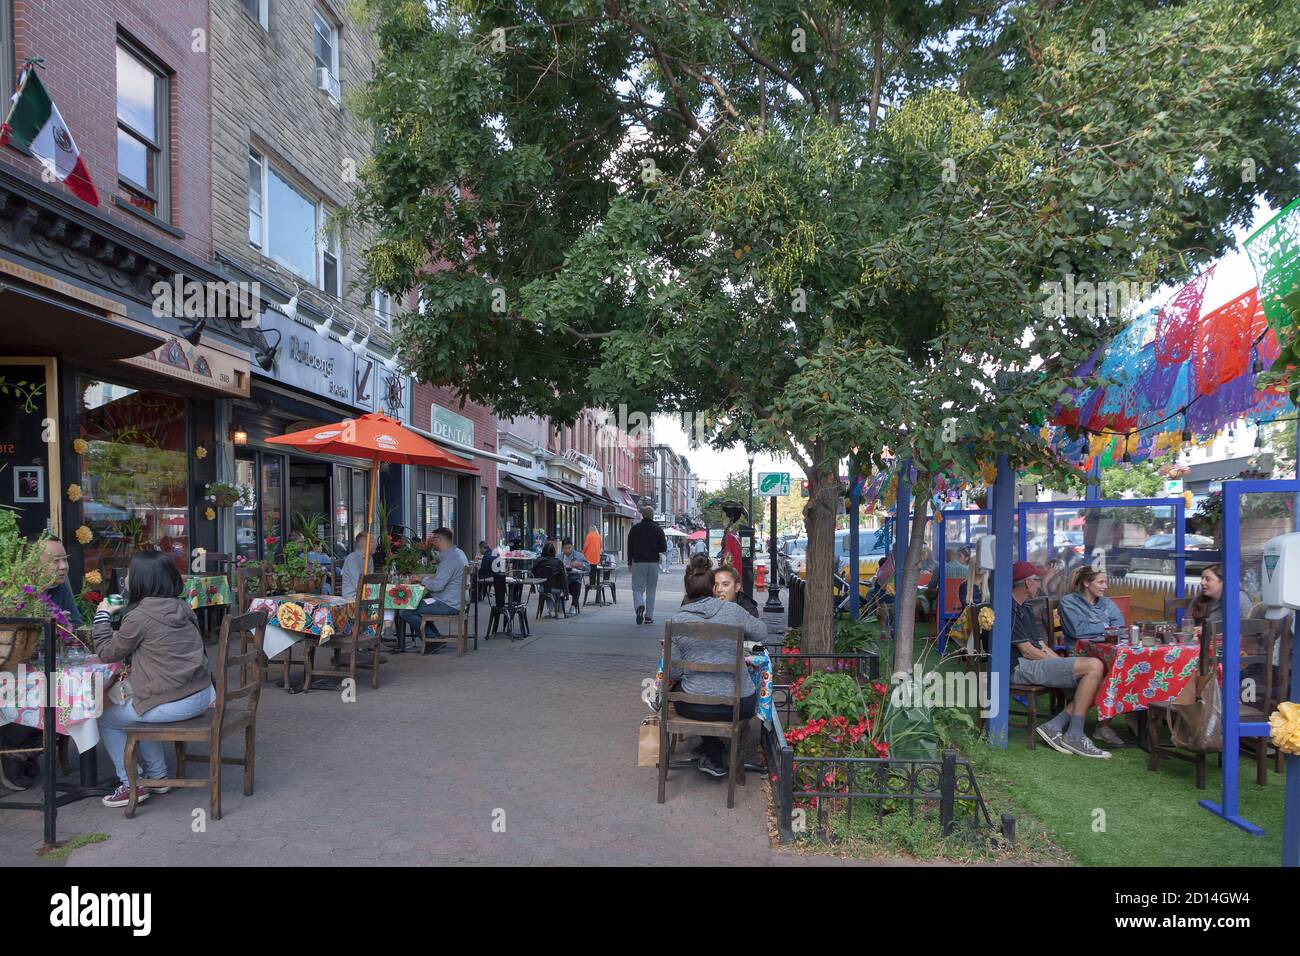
(45, 323)
(524, 486)
(576, 492)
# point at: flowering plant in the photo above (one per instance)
(25, 576)
(74, 492)
(223, 494)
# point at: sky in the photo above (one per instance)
(1233, 275)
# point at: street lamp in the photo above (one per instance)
(750, 453)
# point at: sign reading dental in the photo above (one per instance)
(447, 425)
(312, 362)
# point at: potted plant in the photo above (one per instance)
(225, 495)
(294, 573)
(24, 579)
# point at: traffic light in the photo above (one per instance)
(803, 488)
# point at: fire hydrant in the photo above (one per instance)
(760, 577)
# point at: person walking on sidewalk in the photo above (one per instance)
(645, 543)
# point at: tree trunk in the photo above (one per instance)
(905, 599)
(819, 602)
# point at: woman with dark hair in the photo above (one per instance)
(169, 670)
(551, 570)
(702, 606)
(1207, 609)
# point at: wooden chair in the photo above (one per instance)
(251, 581)
(214, 725)
(671, 724)
(365, 634)
(1158, 713)
(461, 617)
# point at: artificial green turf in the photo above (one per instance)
(1151, 819)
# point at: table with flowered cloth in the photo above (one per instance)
(760, 669)
(82, 689)
(1137, 677)
(206, 590)
(291, 618)
(398, 597)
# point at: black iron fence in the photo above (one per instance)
(827, 787)
(863, 665)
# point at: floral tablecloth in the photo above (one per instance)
(206, 590)
(80, 690)
(399, 597)
(760, 667)
(293, 617)
(1139, 676)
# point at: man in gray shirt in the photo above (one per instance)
(362, 545)
(442, 591)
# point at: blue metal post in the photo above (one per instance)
(1092, 490)
(1004, 501)
(902, 514)
(941, 547)
(1291, 800)
(855, 496)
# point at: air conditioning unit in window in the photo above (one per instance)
(327, 81)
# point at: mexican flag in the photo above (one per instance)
(35, 124)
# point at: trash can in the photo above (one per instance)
(794, 615)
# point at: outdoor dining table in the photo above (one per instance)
(206, 590)
(78, 686)
(1137, 677)
(291, 618)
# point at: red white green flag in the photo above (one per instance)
(35, 124)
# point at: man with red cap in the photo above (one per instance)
(1034, 662)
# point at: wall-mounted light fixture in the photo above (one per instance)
(238, 436)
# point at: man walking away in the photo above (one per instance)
(645, 543)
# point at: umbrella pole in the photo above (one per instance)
(370, 517)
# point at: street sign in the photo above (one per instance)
(1173, 487)
(773, 483)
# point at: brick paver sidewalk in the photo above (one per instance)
(539, 736)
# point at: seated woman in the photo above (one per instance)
(1086, 612)
(169, 670)
(1207, 609)
(726, 587)
(702, 606)
(552, 570)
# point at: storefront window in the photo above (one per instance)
(246, 515)
(566, 521)
(134, 473)
(437, 511)
(272, 502)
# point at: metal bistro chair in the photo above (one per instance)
(215, 724)
(553, 593)
(670, 724)
(461, 618)
(365, 634)
(507, 606)
(600, 580)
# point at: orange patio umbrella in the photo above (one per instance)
(375, 437)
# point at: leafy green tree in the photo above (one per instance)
(826, 224)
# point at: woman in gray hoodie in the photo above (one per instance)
(169, 669)
(702, 606)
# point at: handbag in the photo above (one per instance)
(647, 742)
(1196, 719)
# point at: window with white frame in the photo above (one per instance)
(257, 10)
(291, 228)
(325, 48)
(143, 156)
(385, 308)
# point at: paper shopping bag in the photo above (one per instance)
(647, 743)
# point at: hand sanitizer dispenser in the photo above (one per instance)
(1281, 575)
(985, 551)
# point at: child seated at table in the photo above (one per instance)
(169, 670)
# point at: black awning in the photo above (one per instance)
(41, 323)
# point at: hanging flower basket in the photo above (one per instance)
(225, 495)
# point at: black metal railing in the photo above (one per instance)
(948, 784)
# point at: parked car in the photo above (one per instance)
(1161, 565)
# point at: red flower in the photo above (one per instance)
(93, 597)
(272, 540)
(882, 748)
(879, 688)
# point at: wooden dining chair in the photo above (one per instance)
(365, 633)
(216, 723)
(460, 619)
(671, 725)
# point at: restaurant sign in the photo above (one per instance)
(312, 362)
(447, 425)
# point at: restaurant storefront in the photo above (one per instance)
(314, 381)
(112, 434)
